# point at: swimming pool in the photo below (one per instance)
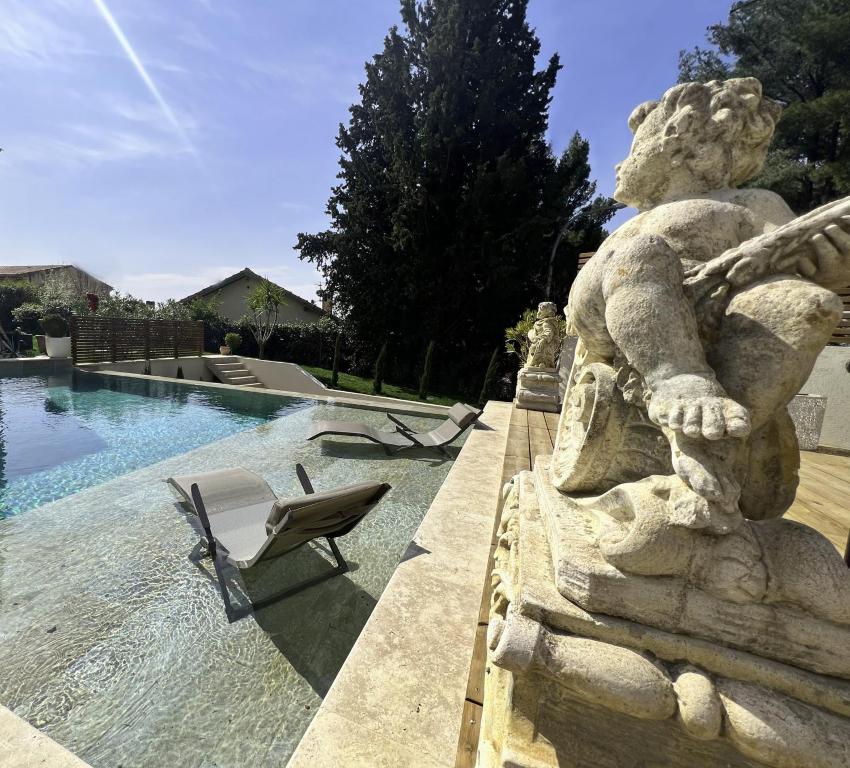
(115, 645)
(60, 434)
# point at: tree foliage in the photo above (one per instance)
(264, 303)
(449, 198)
(13, 294)
(798, 49)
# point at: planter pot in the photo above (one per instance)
(58, 346)
(224, 350)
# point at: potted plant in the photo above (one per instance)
(57, 341)
(232, 342)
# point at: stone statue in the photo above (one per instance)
(645, 573)
(544, 337)
(538, 380)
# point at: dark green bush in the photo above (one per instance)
(232, 340)
(54, 326)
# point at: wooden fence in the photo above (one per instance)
(841, 332)
(97, 339)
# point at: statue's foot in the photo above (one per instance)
(696, 406)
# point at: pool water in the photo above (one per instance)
(60, 434)
(114, 644)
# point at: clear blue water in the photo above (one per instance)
(61, 434)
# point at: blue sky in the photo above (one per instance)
(226, 151)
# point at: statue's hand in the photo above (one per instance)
(829, 261)
(699, 407)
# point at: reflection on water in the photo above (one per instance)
(60, 434)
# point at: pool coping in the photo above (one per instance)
(399, 697)
(24, 746)
(373, 403)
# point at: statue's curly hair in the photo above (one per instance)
(731, 113)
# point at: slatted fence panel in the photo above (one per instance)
(841, 334)
(97, 339)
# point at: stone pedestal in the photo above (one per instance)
(738, 655)
(537, 389)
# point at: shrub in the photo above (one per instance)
(27, 317)
(232, 340)
(55, 326)
(12, 296)
(179, 372)
(516, 337)
(380, 369)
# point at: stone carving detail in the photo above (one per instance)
(538, 381)
(645, 583)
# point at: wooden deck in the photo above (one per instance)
(823, 502)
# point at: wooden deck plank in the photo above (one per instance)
(475, 688)
(470, 730)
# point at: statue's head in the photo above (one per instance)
(697, 138)
(546, 309)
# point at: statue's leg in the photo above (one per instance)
(768, 342)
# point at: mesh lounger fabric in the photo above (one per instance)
(252, 524)
(460, 417)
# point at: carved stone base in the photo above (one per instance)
(537, 389)
(569, 687)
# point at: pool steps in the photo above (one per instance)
(231, 370)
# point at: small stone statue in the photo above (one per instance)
(544, 337)
(537, 381)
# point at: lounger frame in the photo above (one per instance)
(210, 548)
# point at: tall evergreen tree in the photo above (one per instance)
(450, 199)
(798, 49)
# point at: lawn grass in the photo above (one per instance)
(350, 383)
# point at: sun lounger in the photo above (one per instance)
(245, 523)
(461, 416)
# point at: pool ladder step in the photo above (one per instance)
(231, 370)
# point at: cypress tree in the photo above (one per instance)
(380, 366)
(425, 379)
(489, 378)
(335, 371)
(450, 199)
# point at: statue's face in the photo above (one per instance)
(545, 309)
(643, 177)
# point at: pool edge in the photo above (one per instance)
(400, 694)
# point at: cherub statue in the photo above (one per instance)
(709, 307)
(544, 337)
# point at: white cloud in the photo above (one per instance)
(193, 38)
(322, 76)
(158, 286)
(32, 39)
(82, 146)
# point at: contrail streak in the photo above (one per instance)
(146, 78)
